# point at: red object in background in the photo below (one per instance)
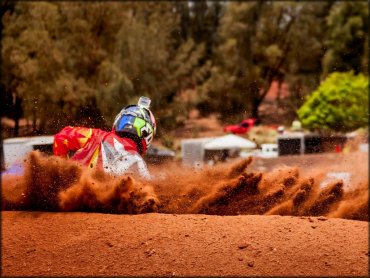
(338, 148)
(241, 128)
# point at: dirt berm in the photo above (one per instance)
(93, 244)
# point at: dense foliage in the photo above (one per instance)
(340, 104)
(80, 63)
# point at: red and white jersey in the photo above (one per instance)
(98, 148)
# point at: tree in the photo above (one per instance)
(254, 40)
(30, 56)
(55, 58)
(339, 104)
(347, 38)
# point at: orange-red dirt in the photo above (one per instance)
(178, 241)
(92, 244)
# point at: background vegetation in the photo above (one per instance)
(339, 104)
(80, 63)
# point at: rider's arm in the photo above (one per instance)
(70, 139)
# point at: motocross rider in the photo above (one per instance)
(117, 152)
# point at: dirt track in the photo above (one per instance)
(66, 244)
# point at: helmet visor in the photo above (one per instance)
(124, 121)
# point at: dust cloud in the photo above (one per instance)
(55, 184)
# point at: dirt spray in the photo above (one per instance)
(56, 184)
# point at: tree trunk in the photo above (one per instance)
(17, 114)
(254, 110)
(278, 97)
(34, 127)
(16, 127)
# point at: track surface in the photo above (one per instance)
(80, 244)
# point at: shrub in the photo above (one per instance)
(339, 104)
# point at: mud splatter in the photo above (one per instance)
(54, 184)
